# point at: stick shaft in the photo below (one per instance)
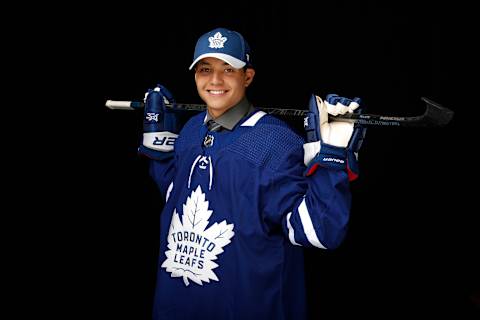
(441, 116)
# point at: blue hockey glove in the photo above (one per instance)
(332, 144)
(160, 124)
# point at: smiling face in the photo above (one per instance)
(220, 85)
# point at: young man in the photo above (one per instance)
(243, 193)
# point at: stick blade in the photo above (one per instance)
(436, 115)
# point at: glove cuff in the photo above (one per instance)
(160, 141)
(153, 154)
(352, 166)
(331, 157)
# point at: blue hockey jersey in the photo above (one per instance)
(238, 212)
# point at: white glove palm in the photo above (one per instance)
(333, 144)
(335, 133)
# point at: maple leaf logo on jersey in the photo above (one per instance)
(192, 247)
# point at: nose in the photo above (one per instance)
(216, 78)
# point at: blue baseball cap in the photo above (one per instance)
(224, 44)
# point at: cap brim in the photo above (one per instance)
(234, 62)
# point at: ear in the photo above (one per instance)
(249, 74)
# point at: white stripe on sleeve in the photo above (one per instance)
(308, 225)
(291, 232)
(169, 189)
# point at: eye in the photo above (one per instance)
(203, 70)
(229, 70)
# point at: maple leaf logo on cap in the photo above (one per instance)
(217, 40)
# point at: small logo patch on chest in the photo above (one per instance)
(208, 141)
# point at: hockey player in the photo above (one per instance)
(243, 193)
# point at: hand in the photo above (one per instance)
(332, 144)
(160, 124)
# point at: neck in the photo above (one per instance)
(216, 113)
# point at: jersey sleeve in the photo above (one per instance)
(162, 169)
(312, 211)
(162, 172)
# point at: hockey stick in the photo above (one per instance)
(435, 115)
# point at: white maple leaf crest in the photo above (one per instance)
(192, 247)
(217, 41)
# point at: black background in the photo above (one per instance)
(412, 245)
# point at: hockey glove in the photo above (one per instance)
(332, 144)
(160, 124)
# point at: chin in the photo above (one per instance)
(216, 104)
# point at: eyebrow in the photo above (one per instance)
(203, 63)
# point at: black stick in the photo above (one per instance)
(435, 115)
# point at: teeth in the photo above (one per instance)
(217, 91)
